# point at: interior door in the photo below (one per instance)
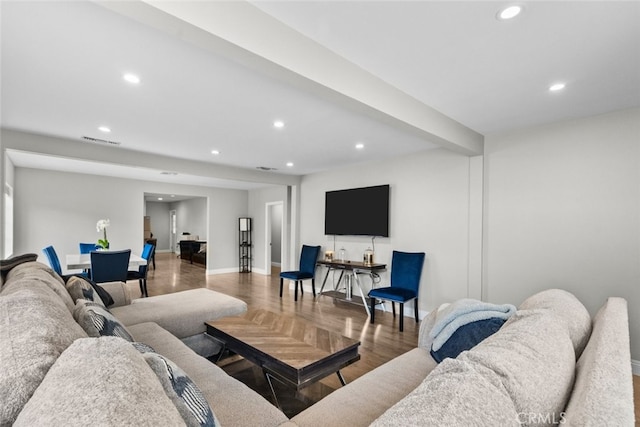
(173, 231)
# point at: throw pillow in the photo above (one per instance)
(183, 392)
(466, 337)
(99, 382)
(97, 320)
(454, 394)
(79, 288)
(567, 307)
(534, 358)
(103, 295)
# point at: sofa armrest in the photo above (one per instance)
(119, 292)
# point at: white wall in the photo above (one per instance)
(562, 209)
(429, 212)
(191, 217)
(62, 209)
(158, 213)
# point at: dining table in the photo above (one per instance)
(83, 261)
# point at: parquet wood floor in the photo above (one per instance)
(380, 342)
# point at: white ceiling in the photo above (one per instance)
(62, 66)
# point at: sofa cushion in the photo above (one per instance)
(603, 391)
(97, 321)
(369, 396)
(100, 381)
(566, 306)
(185, 395)
(27, 277)
(35, 328)
(232, 401)
(27, 267)
(533, 356)
(181, 313)
(454, 394)
(8, 264)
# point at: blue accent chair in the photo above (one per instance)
(54, 261)
(307, 270)
(87, 248)
(141, 275)
(110, 266)
(406, 269)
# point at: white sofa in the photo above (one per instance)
(549, 364)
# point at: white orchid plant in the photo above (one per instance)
(102, 226)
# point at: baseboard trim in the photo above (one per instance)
(221, 271)
(635, 367)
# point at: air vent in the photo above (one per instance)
(168, 173)
(266, 168)
(100, 141)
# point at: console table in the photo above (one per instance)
(351, 267)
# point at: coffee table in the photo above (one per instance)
(287, 348)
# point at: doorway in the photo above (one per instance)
(273, 235)
(173, 231)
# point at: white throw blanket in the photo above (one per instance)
(462, 312)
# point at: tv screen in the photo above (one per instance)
(357, 212)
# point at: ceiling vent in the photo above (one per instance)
(168, 173)
(100, 141)
(266, 168)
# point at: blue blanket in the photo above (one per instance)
(462, 312)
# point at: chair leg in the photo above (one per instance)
(281, 284)
(393, 308)
(295, 292)
(144, 285)
(401, 317)
(373, 308)
(313, 286)
(141, 288)
(415, 307)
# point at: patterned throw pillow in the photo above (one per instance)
(97, 321)
(79, 288)
(183, 392)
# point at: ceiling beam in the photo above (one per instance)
(243, 33)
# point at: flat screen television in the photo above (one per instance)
(357, 212)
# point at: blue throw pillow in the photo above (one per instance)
(466, 337)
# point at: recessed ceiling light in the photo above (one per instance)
(360, 146)
(215, 152)
(509, 12)
(289, 164)
(173, 195)
(556, 87)
(104, 129)
(279, 124)
(159, 198)
(131, 78)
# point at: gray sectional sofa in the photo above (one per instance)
(549, 364)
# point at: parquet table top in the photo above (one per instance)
(287, 347)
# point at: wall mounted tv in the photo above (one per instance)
(357, 212)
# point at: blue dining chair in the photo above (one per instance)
(406, 270)
(307, 270)
(54, 261)
(141, 275)
(110, 266)
(87, 248)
